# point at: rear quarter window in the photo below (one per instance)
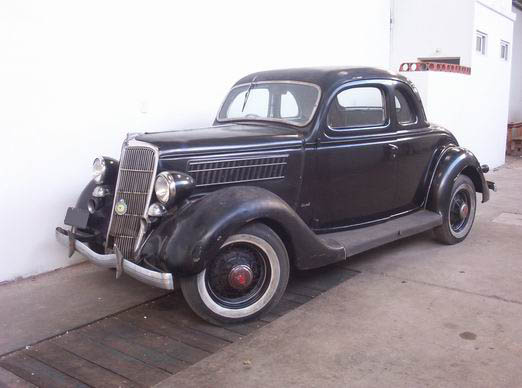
(403, 109)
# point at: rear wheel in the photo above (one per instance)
(247, 277)
(458, 217)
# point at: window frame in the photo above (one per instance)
(484, 42)
(272, 120)
(504, 44)
(355, 130)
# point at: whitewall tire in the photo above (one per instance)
(247, 278)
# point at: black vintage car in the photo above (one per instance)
(301, 168)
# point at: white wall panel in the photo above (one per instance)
(515, 102)
(474, 107)
(429, 28)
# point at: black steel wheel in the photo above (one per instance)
(459, 215)
(247, 277)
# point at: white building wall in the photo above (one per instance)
(429, 28)
(515, 101)
(475, 107)
(457, 111)
(489, 92)
(502, 6)
(77, 76)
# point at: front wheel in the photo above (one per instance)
(247, 277)
(458, 217)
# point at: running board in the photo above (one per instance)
(360, 240)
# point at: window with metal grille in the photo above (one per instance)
(504, 50)
(481, 42)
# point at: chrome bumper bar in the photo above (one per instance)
(157, 279)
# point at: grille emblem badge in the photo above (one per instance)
(121, 207)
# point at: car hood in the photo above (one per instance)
(219, 138)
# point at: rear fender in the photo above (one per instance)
(453, 162)
(186, 242)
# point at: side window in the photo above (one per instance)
(357, 107)
(405, 114)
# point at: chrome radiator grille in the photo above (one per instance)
(134, 187)
(226, 171)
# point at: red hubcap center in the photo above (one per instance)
(463, 211)
(240, 277)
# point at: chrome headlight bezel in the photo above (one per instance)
(99, 170)
(165, 188)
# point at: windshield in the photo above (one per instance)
(290, 102)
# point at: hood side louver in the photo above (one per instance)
(211, 172)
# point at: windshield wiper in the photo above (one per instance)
(247, 94)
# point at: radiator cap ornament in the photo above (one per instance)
(121, 207)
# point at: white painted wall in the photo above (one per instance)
(475, 107)
(77, 76)
(515, 101)
(502, 6)
(489, 92)
(448, 102)
(441, 28)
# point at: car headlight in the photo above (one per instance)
(173, 186)
(99, 170)
(165, 188)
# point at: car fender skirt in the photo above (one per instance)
(188, 240)
(453, 162)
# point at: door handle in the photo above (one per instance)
(392, 149)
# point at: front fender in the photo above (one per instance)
(453, 162)
(185, 242)
(98, 223)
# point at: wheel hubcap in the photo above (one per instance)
(464, 211)
(460, 210)
(240, 277)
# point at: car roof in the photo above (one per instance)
(322, 76)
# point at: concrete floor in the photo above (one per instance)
(418, 314)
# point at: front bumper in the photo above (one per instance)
(157, 279)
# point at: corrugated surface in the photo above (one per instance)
(218, 172)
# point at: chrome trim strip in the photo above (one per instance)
(252, 156)
(152, 278)
(289, 122)
(157, 279)
(243, 181)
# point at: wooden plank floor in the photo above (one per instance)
(146, 344)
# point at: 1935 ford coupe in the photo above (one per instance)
(301, 168)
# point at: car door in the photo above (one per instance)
(417, 145)
(354, 159)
